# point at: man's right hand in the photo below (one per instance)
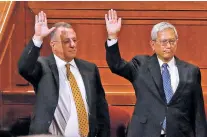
(113, 25)
(41, 28)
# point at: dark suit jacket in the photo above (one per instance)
(185, 112)
(42, 72)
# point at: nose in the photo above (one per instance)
(168, 44)
(72, 43)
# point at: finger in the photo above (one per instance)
(42, 16)
(36, 19)
(109, 14)
(39, 17)
(112, 14)
(106, 19)
(115, 16)
(119, 23)
(45, 18)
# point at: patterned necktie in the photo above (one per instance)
(80, 107)
(167, 87)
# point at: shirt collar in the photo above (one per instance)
(61, 63)
(171, 63)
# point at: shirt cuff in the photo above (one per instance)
(111, 42)
(37, 43)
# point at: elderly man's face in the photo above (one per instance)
(64, 43)
(165, 45)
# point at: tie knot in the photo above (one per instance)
(67, 66)
(67, 70)
(164, 65)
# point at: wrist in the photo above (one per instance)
(112, 36)
(39, 38)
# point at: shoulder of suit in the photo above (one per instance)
(86, 62)
(42, 59)
(141, 58)
(188, 64)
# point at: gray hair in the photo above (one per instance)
(57, 25)
(160, 27)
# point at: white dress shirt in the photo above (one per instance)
(66, 108)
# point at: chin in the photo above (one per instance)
(72, 57)
(168, 58)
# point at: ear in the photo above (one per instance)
(152, 44)
(52, 44)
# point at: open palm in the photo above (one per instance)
(41, 28)
(113, 25)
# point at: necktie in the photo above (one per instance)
(80, 107)
(167, 87)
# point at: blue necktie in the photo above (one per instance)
(167, 87)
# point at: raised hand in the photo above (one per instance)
(41, 28)
(113, 25)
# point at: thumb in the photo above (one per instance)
(51, 29)
(119, 22)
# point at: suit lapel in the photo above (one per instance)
(154, 68)
(54, 69)
(84, 73)
(183, 73)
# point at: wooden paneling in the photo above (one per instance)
(128, 109)
(126, 15)
(131, 22)
(12, 44)
(120, 5)
(2, 12)
(14, 112)
(6, 8)
(204, 77)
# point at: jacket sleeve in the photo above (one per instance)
(200, 125)
(28, 64)
(118, 65)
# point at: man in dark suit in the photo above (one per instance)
(70, 99)
(168, 90)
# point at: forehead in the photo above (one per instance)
(166, 34)
(70, 31)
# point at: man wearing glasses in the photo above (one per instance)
(168, 90)
(70, 99)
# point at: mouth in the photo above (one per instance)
(72, 51)
(167, 51)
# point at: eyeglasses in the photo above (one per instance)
(69, 41)
(172, 42)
